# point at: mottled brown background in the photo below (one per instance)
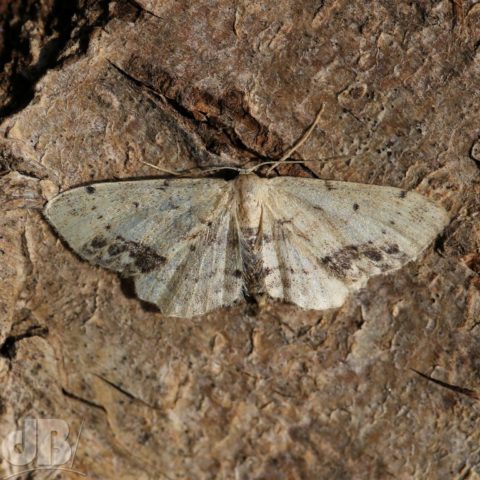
(89, 89)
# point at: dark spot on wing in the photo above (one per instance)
(392, 222)
(136, 204)
(403, 193)
(392, 249)
(90, 189)
(94, 207)
(237, 273)
(116, 249)
(329, 186)
(144, 259)
(356, 206)
(373, 254)
(98, 242)
(385, 267)
(108, 227)
(343, 261)
(147, 262)
(336, 266)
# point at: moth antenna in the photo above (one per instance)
(163, 170)
(252, 169)
(298, 143)
(181, 172)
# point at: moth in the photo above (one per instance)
(193, 245)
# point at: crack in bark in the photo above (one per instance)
(89, 403)
(124, 392)
(8, 349)
(454, 388)
(184, 113)
(215, 127)
(24, 79)
(59, 26)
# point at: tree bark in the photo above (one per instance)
(91, 90)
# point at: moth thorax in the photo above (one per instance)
(249, 202)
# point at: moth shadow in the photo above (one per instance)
(224, 174)
(127, 285)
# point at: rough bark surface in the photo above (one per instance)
(90, 90)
